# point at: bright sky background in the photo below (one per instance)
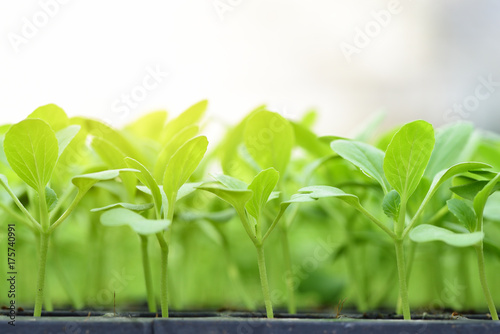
(420, 61)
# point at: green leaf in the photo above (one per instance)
(170, 148)
(470, 190)
(231, 182)
(450, 143)
(32, 151)
(53, 115)
(51, 198)
(463, 212)
(269, 139)
(147, 179)
(427, 233)
(182, 164)
(86, 181)
(187, 189)
(149, 125)
(366, 157)
(392, 204)
(481, 198)
(65, 136)
(115, 158)
(141, 225)
(128, 206)
(262, 186)
(189, 117)
(407, 156)
(317, 192)
(444, 175)
(237, 198)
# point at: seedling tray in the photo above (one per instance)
(244, 323)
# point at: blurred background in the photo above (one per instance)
(115, 60)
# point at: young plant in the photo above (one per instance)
(33, 150)
(473, 220)
(398, 171)
(249, 201)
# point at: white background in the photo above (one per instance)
(284, 53)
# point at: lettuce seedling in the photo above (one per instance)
(33, 150)
(398, 171)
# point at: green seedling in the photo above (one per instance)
(33, 149)
(398, 171)
(249, 201)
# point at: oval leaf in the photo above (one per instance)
(262, 186)
(32, 151)
(463, 212)
(141, 225)
(407, 156)
(427, 233)
(53, 115)
(269, 139)
(364, 156)
(128, 206)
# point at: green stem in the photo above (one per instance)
(40, 284)
(484, 282)
(292, 308)
(164, 277)
(403, 290)
(68, 211)
(44, 212)
(147, 274)
(263, 281)
(61, 202)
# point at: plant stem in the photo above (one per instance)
(147, 274)
(292, 309)
(403, 290)
(44, 212)
(164, 277)
(484, 283)
(263, 280)
(40, 284)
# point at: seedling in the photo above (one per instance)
(33, 150)
(398, 171)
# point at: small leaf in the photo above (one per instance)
(262, 186)
(51, 198)
(470, 190)
(481, 198)
(32, 151)
(444, 175)
(366, 157)
(128, 206)
(231, 182)
(237, 198)
(269, 139)
(65, 136)
(141, 225)
(187, 189)
(86, 181)
(170, 148)
(149, 125)
(407, 156)
(317, 192)
(427, 233)
(147, 179)
(182, 164)
(189, 117)
(53, 115)
(392, 204)
(463, 212)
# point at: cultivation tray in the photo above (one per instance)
(243, 323)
